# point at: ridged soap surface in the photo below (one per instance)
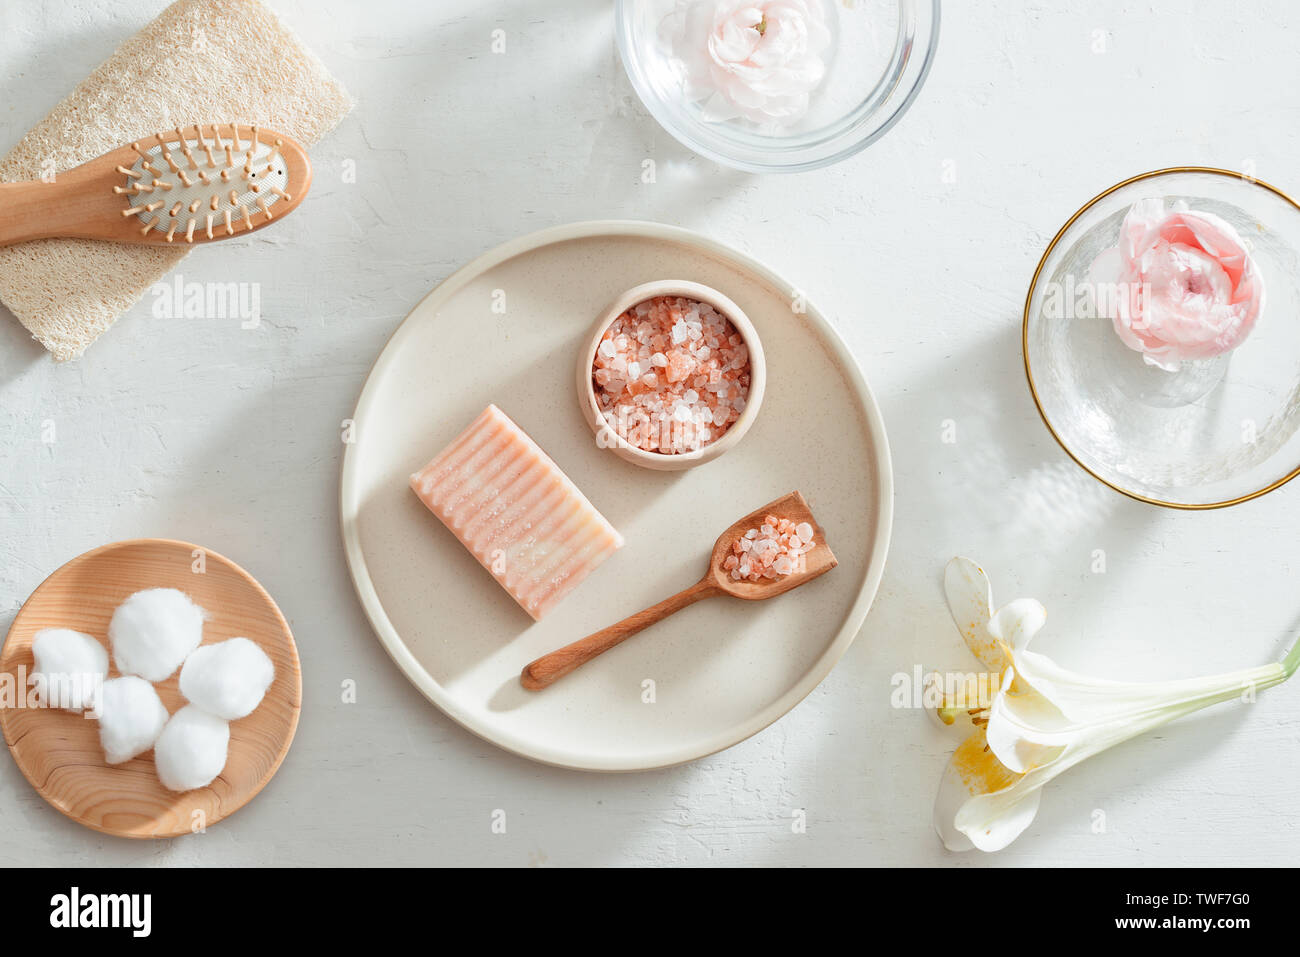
(517, 513)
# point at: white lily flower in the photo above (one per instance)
(1043, 719)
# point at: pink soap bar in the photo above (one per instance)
(516, 512)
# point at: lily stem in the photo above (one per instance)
(1292, 660)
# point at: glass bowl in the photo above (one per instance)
(878, 58)
(1214, 432)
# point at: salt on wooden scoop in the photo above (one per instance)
(719, 580)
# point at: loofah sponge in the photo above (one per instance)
(68, 291)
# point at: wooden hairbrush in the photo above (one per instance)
(193, 185)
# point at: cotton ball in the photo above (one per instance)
(191, 750)
(153, 631)
(227, 679)
(131, 716)
(69, 667)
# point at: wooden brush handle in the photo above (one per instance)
(548, 669)
(37, 210)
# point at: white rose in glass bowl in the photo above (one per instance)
(759, 61)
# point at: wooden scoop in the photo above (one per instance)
(548, 669)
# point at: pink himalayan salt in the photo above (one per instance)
(671, 375)
(773, 550)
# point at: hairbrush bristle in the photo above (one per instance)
(203, 201)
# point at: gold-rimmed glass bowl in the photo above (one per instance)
(1215, 432)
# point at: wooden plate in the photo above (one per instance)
(59, 752)
(507, 328)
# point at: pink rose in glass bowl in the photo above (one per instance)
(1185, 286)
(756, 59)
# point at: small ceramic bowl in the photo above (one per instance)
(661, 461)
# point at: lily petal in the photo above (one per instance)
(1016, 623)
(992, 821)
(970, 600)
(972, 773)
(1025, 730)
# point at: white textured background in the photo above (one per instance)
(197, 429)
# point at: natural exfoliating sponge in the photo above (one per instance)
(227, 679)
(131, 716)
(200, 61)
(153, 631)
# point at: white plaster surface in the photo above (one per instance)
(201, 430)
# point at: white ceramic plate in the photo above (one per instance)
(713, 674)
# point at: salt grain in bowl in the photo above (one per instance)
(671, 375)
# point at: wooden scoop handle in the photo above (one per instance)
(548, 669)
